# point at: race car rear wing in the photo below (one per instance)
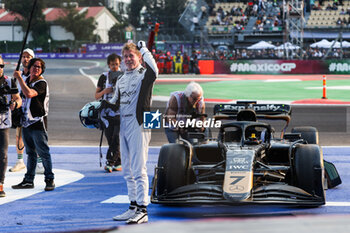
(261, 110)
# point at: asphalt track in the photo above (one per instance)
(86, 198)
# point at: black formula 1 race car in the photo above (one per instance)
(246, 163)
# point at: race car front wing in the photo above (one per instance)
(213, 194)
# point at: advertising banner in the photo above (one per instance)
(279, 67)
(102, 48)
(338, 66)
(61, 55)
(276, 67)
(228, 67)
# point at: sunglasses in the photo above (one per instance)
(38, 67)
(2, 66)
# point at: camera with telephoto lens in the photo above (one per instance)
(5, 89)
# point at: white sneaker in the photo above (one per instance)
(18, 166)
(39, 168)
(138, 218)
(126, 215)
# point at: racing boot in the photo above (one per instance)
(127, 214)
(139, 217)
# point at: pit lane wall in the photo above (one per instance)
(275, 67)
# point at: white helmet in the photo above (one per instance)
(89, 115)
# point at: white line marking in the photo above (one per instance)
(332, 203)
(330, 88)
(281, 80)
(177, 79)
(123, 199)
(119, 199)
(62, 177)
(81, 70)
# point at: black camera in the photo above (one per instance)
(5, 89)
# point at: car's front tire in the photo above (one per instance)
(309, 169)
(173, 165)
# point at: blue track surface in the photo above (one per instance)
(90, 201)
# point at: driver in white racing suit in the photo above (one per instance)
(133, 93)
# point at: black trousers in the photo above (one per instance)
(112, 136)
(4, 143)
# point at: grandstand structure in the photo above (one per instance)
(328, 18)
(239, 24)
(294, 26)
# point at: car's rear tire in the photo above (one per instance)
(309, 170)
(308, 133)
(173, 162)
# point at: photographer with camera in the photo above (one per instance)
(181, 106)
(35, 97)
(27, 55)
(105, 90)
(9, 100)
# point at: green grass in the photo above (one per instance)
(259, 90)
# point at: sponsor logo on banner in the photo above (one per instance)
(339, 67)
(264, 67)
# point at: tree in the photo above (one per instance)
(91, 2)
(81, 27)
(135, 8)
(56, 3)
(117, 32)
(39, 27)
(166, 11)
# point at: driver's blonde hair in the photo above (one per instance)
(131, 47)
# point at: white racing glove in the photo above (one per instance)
(141, 45)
